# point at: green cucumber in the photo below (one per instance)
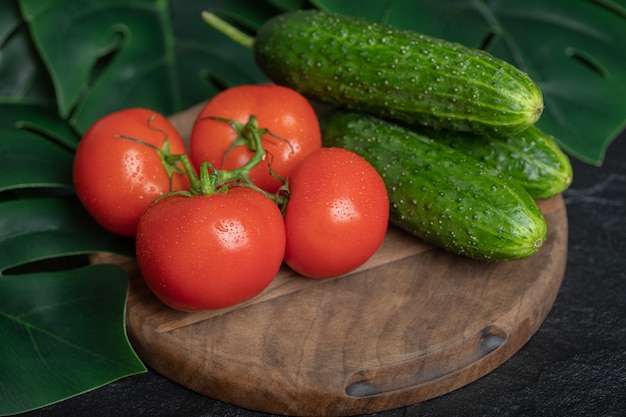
(441, 195)
(356, 64)
(532, 157)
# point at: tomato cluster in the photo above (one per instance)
(214, 224)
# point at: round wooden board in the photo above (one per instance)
(411, 324)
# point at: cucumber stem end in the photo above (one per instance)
(228, 29)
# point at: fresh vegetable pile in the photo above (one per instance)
(49, 102)
(209, 225)
(436, 138)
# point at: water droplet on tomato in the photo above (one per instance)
(232, 234)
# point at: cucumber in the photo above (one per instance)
(531, 157)
(356, 64)
(441, 195)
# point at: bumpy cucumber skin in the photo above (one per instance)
(440, 195)
(532, 157)
(403, 75)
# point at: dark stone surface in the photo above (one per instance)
(575, 365)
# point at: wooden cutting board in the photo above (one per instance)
(411, 324)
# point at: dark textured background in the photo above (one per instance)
(575, 365)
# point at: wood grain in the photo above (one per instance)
(411, 324)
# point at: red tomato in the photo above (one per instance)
(337, 213)
(210, 251)
(281, 110)
(117, 178)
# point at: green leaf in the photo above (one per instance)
(35, 147)
(54, 227)
(286, 5)
(62, 334)
(21, 71)
(133, 53)
(39, 117)
(573, 49)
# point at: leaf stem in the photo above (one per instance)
(228, 29)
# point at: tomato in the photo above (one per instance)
(337, 213)
(210, 251)
(117, 178)
(281, 110)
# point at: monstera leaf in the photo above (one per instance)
(47, 319)
(22, 73)
(573, 49)
(60, 340)
(104, 54)
(36, 149)
(57, 227)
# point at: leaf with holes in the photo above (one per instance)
(62, 335)
(573, 49)
(155, 54)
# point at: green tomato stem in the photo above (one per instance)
(252, 136)
(195, 184)
(211, 180)
(169, 161)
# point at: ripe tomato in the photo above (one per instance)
(281, 110)
(210, 251)
(337, 213)
(117, 178)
